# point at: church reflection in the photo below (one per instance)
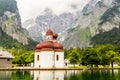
(53, 75)
(60, 74)
(49, 75)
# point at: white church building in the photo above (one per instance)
(49, 53)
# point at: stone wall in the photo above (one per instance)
(5, 63)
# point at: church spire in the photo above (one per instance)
(49, 35)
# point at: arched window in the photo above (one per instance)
(37, 57)
(37, 78)
(57, 57)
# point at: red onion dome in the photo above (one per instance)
(58, 46)
(55, 35)
(38, 47)
(47, 45)
(49, 32)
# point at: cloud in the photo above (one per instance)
(29, 9)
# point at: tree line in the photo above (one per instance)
(93, 56)
(22, 57)
(90, 56)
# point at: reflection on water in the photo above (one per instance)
(5, 75)
(22, 75)
(61, 75)
(49, 75)
(53, 75)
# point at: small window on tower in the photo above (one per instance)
(37, 57)
(57, 78)
(37, 78)
(8, 59)
(57, 57)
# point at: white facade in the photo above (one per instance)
(44, 59)
(49, 59)
(49, 54)
(59, 59)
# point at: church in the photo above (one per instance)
(49, 53)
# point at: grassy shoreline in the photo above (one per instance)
(31, 68)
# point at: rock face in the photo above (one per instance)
(88, 27)
(10, 22)
(98, 16)
(59, 23)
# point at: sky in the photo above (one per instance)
(31, 8)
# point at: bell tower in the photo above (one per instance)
(49, 35)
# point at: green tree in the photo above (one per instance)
(90, 57)
(66, 53)
(113, 57)
(30, 57)
(105, 53)
(22, 57)
(74, 57)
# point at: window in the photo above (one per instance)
(8, 59)
(37, 78)
(57, 57)
(57, 78)
(37, 57)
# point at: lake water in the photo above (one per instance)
(61, 75)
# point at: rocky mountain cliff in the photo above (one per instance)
(11, 32)
(59, 23)
(97, 24)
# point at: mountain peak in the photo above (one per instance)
(59, 23)
(97, 17)
(10, 22)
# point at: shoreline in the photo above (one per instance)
(31, 68)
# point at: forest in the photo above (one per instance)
(91, 56)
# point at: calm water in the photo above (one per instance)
(61, 75)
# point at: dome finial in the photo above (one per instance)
(49, 32)
(55, 35)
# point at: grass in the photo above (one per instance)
(83, 67)
(86, 67)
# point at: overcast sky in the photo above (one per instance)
(30, 8)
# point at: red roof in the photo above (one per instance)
(58, 46)
(39, 46)
(49, 32)
(47, 45)
(55, 35)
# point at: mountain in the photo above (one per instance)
(88, 27)
(11, 32)
(97, 24)
(59, 23)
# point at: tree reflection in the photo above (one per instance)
(105, 74)
(21, 75)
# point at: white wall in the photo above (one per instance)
(46, 59)
(60, 62)
(36, 62)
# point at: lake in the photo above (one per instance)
(61, 75)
